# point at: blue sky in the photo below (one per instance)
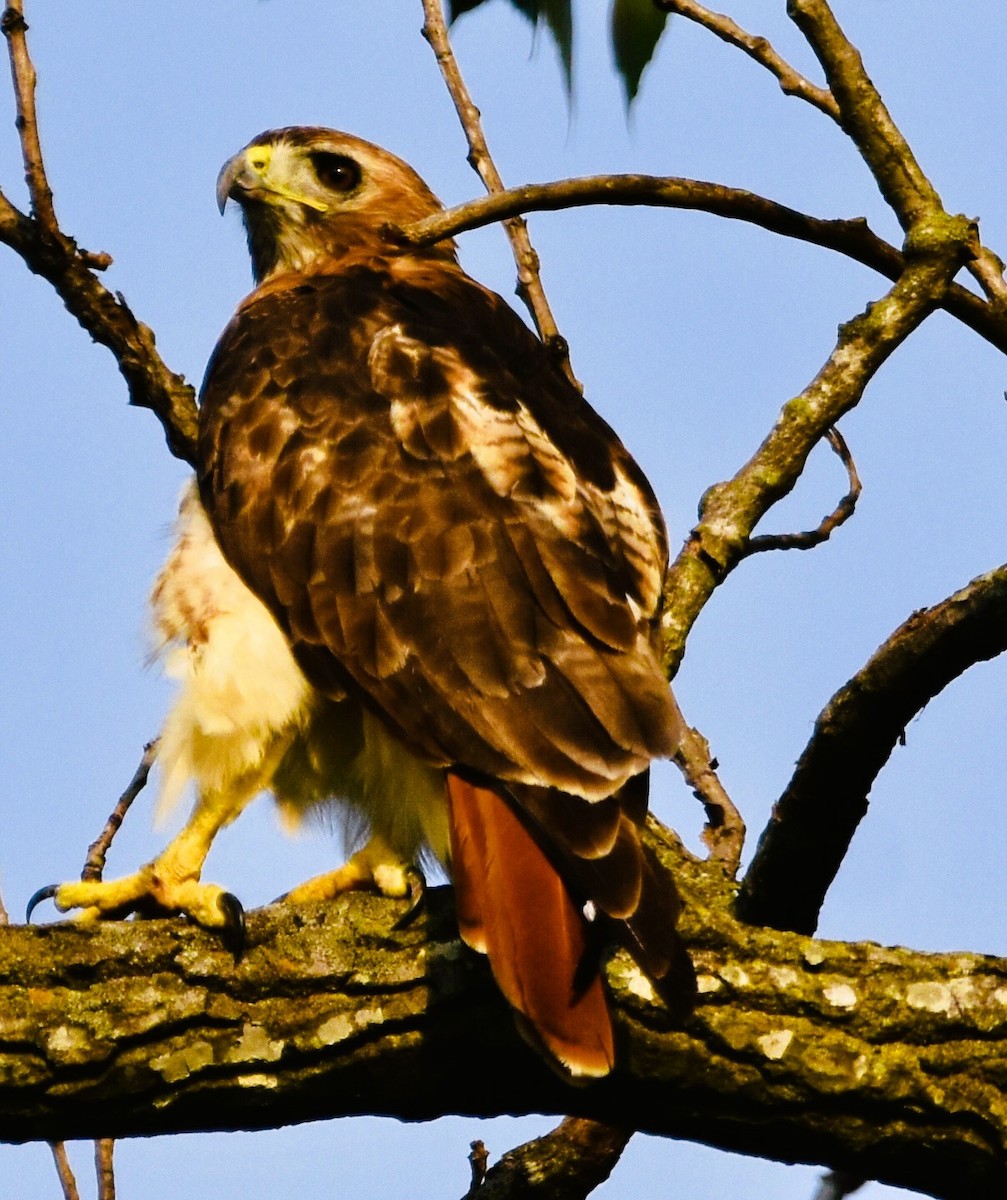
(688, 333)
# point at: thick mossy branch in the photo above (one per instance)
(800, 1050)
(804, 844)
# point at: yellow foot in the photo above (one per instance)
(151, 891)
(375, 867)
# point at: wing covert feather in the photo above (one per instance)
(423, 496)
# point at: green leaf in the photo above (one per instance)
(556, 15)
(457, 7)
(558, 18)
(637, 26)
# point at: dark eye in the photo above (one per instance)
(335, 171)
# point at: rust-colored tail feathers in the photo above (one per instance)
(516, 906)
(513, 907)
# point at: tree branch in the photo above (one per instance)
(864, 116)
(567, 1163)
(814, 820)
(50, 253)
(724, 832)
(94, 864)
(850, 237)
(837, 1185)
(791, 81)
(529, 287)
(886, 1061)
(811, 538)
(109, 321)
(14, 28)
(104, 1169)
(64, 1172)
(730, 511)
(867, 121)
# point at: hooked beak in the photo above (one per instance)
(233, 179)
(248, 176)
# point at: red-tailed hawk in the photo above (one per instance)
(420, 577)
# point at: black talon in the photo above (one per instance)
(233, 930)
(44, 893)
(417, 896)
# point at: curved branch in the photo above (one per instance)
(791, 81)
(804, 844)
(799, 1050)
(851, 237)
(811, 538)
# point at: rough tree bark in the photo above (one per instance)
(888, 1061)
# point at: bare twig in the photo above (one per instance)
(565, 1164)
(838, 1184)
(14, 28)
(529, 280)
(50, 253)
(64, 1171)
(841, 513)
(724, 833)
(806, 840)
(479, 1158)
(987, 269)
(791, 81)
(852, 237)
(104, 1170)
(94, 864)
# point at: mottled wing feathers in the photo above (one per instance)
(395, 466)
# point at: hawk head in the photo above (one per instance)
(310, 196)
